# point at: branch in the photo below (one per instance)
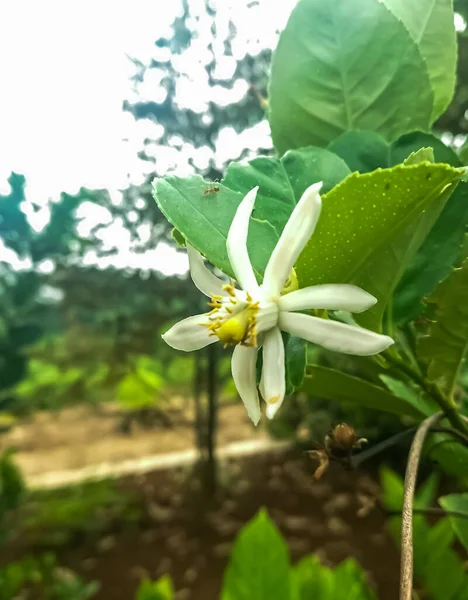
(406, 568)
(459, 514)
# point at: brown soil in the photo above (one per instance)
(82, 436)
(190, 538)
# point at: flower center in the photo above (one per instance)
(233, 319)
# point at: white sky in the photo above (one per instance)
(64, 74)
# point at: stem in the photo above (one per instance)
(434, 511)
(357, 460)
(406, 569)
(212, 385)
(458, 434)
(446, 404)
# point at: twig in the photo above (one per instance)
(357, 460)
(436, 511)
(406, 569)
(446, 404)
(458, 434)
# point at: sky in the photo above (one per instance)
(64, 74)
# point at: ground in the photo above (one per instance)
(82, 436)
(179, 530)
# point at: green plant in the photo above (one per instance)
(440, 569)
(86, 509)
(42, 579)
(259, 569)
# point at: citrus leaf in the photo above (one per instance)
(431, 25)
(457, 502)
(445, 345)
(259, 564)
(204, 219)
(442, 247)
(329, 384)
(362, 214)
(333, 71)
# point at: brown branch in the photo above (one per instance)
(406, 568)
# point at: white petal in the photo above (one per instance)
(296, 234)
(339, 337)
(273, 385)
(332, 296)
(189, 334)
(244, 374)
(202, 277)
(236, 243)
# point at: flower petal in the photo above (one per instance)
(340, 337)
(296, 234)
(203, 278)
(243, 366)
(189, 334)
(236, 243)
(332, 296)
(273, 385)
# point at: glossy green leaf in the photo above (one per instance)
(362, 215)
(381, 274)
(444, 347)
(296, 359)
(442, 247)
(345, 582)
(362, 151)
(322, 382)
(204, 219)
(431, 25)
(259, 564)
(457, 502)
(410, 394)
(333, 71)
(159, 590)
(418, 156)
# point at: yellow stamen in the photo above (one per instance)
(272, 400)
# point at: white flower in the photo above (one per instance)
(255, 315)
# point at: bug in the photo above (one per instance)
(211, 190)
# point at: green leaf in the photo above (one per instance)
(382, 273)
(159, 590)
(442, 247)
(445, 345)
(178, 238)
(315, 581)
(361, 216)
(431, 25)
(259, 564)
(333, 72)
(296, 359)
(204, 220)
(436, 564)
(362, 151)
(457, 502)
(410, 394)
(418, 156)
(329, 384)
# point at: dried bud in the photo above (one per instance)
(322, 457)
(343, 437)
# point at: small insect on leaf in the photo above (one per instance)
(211, 190)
